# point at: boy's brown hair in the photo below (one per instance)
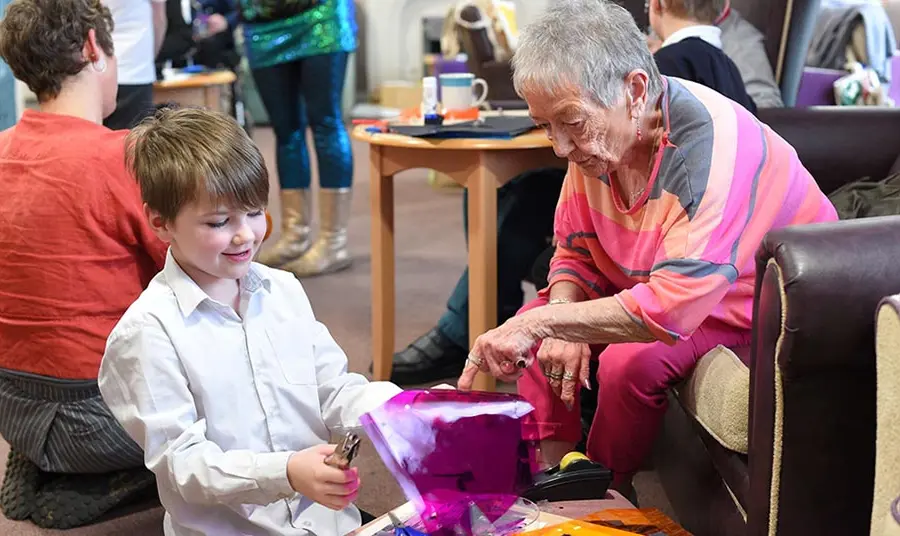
(180, 154)
(705, 11)
(42, 40)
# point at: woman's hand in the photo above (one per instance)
(566, 366)
(503, 352)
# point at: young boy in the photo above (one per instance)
(692, 46)
(220, 370)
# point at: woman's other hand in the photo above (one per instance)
(503, 352)
(566, 366)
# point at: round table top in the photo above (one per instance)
(214, 78)
(535, 139)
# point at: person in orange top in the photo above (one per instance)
(76, 247)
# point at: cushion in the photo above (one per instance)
(717, 396)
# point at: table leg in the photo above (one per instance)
(482, 258)
(383, 293)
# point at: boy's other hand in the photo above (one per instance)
(310, 476)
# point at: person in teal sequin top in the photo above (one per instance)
(328, 28)
(297, 51)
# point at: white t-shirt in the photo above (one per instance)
(133, 40)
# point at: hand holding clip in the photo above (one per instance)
(344, 452)
(313, 477)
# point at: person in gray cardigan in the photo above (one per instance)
(744, 44)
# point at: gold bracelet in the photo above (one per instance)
(558, 301)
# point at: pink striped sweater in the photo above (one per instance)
(684, 252)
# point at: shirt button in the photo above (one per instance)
(307, 523)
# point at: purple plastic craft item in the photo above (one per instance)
(456, 455)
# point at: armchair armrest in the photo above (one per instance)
(812, 385)
(887, 438)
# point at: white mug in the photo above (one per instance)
(457, 91)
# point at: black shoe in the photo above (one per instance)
(429, 358)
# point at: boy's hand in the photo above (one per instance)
(310, 476)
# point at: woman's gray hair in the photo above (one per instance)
(593, 44)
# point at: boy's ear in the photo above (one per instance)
(160, 226)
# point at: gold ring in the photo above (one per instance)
(568, 376)
(475, 360)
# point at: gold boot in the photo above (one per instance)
(296, 208)
(329, 252)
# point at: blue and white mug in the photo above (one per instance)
(458, 91)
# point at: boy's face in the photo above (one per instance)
(212, 242)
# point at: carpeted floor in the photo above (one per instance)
(430, 254)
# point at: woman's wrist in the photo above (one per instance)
(565, 292)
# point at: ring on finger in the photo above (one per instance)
(568, 376)
(475, 360)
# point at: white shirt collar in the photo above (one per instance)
(710, 34)
(189, 295)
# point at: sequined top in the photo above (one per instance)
(325, 29)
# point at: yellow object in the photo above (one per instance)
(507, 10)
(571, 458)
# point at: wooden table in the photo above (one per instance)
(201, 89)
(551, 513)
(481, 165)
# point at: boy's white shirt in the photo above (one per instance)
(711, 34)
(219, 402)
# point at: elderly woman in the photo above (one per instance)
(77, 249)
(669, 191)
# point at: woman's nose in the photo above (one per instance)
(562, 144)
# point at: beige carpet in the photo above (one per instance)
(430, 252)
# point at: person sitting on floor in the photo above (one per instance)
(525, 208)
(692, 46)
(669, 192)
(220, 370)
(76, 247)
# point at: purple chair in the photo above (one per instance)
(817, 85)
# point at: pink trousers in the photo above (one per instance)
(633, 379)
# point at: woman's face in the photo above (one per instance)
(592, 137)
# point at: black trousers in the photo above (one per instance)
(133, 104)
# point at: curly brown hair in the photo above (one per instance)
(42, 40)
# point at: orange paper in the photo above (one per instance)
(576, 528)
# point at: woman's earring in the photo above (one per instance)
(99, 65)
(640, 133)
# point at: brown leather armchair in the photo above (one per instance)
(480, 53)
(811, 443)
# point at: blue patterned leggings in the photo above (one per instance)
(307, 92)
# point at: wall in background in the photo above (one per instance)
(391, 36)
